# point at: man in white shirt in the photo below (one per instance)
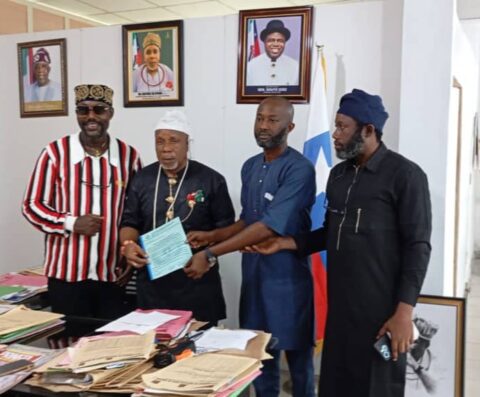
(43, 89)
(273, 67)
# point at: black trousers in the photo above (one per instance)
(89, 298)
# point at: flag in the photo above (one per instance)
(27, 66)
(136, 52)
(253, 40)
(317, 149)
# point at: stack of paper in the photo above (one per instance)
(203, 375)
(33, 271)
(21, 354)
(22, 322)
(15, 287)
(99, 363)
(222, 374)
(216, 339)
(168, 324)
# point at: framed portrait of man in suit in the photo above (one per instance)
(42, 76)
(274, 54)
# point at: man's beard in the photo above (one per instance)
(274, 141)
(353, 147)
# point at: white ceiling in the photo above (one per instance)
(113, 12)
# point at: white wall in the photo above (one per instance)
(465, 68)
(424, 103)
(472, 31)
(434, 50)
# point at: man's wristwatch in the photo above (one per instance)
(211, 257)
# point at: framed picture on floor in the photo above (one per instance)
(274, 52)
(153, 64)
(435, 363)
(42, 76)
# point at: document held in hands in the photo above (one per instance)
(167, 248)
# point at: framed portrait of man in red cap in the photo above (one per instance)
(274, 54)
(152, 64)
(42, 77)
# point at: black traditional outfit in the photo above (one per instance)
(377, 236)
(377, 240)
(212, 209)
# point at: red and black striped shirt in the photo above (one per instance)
(67, 182)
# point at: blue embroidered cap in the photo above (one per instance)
(364, 108)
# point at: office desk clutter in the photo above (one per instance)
(168, 324)
(126, 358)
(18, 322)
(17, 287)
(18, 361)
(106, 362)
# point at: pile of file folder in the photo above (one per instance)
(17, 362)
(18, 322)
(16, 287)
(168, 324)
(102, 363)
(224, 373)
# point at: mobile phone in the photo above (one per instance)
(382, 346)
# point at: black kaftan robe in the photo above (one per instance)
(175, 290)
(377, 235)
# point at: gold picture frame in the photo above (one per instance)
(435, 363)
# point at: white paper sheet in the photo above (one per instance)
(218, 339)
(137, 322)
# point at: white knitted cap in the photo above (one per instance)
(174, 120)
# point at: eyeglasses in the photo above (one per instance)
(99, 110)
(89, 184)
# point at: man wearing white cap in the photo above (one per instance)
(43, 89)
(176, 187)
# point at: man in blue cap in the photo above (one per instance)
(377, 236)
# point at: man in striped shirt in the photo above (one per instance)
(75, 196)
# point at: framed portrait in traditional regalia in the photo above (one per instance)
(153, 64)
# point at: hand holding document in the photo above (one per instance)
(167, 248)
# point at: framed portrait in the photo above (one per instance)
(274, 52)
(153, 64)
(435, 363)
(42, 75)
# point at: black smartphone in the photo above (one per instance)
(382, 346)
